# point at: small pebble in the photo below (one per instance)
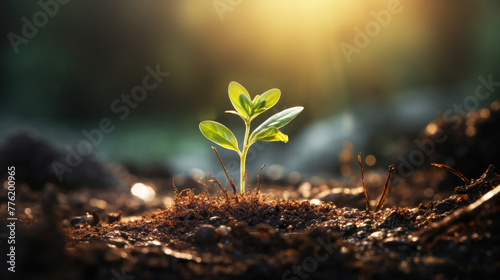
(223, 232)
(205, 235)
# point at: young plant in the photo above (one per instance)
(248, 109)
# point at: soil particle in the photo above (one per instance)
(114, 217)
(446, 205)
(205, 235)
(88, 219)
(223, 232)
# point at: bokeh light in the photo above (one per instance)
(143, 191)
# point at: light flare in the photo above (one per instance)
(143, 191)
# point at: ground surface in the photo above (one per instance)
(206, 237)
(433, 225)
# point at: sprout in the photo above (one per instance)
(248, 109)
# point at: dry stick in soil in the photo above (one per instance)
(258, 180)
(224, 191)
(454, 171)
(363, 180)
(487, 203)
(225, 170)
(380, 203)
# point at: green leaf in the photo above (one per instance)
(278, 120)
(259, 110)
(271, 134)
(246, 104)
(235, 90)
(258, 104)
(255, 100)
(267, 100)
(270, 97)
(219, 134)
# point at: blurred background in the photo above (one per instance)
(370, 74)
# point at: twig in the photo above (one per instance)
(258, 180)
(487, 203)
(452, 170)
(231, 182)
(224, 191)
(363, 180)
(380, 203)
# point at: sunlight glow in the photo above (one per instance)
(143, 192)
(431, 129)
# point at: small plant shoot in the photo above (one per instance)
(248, 109)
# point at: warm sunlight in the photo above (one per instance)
(315, 44)
(143, 192)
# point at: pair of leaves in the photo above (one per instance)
(267, 131)
(248, 109)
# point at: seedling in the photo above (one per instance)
(248, 109)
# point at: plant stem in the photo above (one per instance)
(243, 157)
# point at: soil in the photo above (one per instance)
(227, 236)
(427, 229)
